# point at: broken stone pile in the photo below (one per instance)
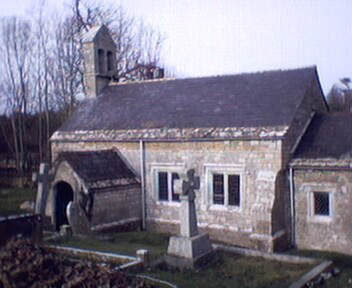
(23, 264)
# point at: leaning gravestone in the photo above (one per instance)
(43, 187)
(190, 248)
(78, 219)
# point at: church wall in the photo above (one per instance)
(117, 206)
(258, 163)
(331, 232)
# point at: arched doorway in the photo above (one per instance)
(64, 194)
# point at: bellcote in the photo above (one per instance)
(99, 51)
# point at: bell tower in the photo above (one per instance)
(99, 52)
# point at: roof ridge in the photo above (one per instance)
(259, 72)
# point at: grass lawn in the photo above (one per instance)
(227, 270)
(122, 243)
(12, 198)
(341, 261)
(233, 270)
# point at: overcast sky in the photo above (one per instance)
(214, 37)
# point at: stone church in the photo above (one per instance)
(275, 167)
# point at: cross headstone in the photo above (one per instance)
(190, 247)
(188, 217)
(43, 187)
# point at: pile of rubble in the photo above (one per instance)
(24, 264)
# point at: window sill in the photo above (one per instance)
(168, 203)
(228, 208)
(320, 219)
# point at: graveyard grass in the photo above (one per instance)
(226, 270)
(12, 198)
(341, 261)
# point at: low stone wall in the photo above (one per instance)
(27, 225)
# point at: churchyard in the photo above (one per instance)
(224, 270)
(11, 200)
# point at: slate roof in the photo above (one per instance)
(245, 100)
(104, 166)
(329, 136)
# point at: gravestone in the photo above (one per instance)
(42, 179)
(191, 247)
(77, 219)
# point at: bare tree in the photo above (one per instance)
(16, 49)
(41, 71)
(138, 45)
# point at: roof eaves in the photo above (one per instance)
(175, 134)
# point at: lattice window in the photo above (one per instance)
(218, 189)
(321, 203)
(163, 186)
(226, 189)
(234, 190)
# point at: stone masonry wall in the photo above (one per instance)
(121, 204)
(118, 204)
(258, 163)
(333, 232)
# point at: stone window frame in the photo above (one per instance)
(169, 168)
(226, 169)
(312, 217)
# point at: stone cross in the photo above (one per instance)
(188, 217)
(43, 187)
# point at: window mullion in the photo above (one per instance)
(226, 189)
(169, 185)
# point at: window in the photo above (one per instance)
(234, 190)
(110, 61)
(226, 189)
(165, 180)
(101, 66)
(321, 203)
(163, 186)
(218, 189)
(224, 185)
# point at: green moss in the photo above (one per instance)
(12, 198)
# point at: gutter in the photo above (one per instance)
(142, 164)
(293, 212)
